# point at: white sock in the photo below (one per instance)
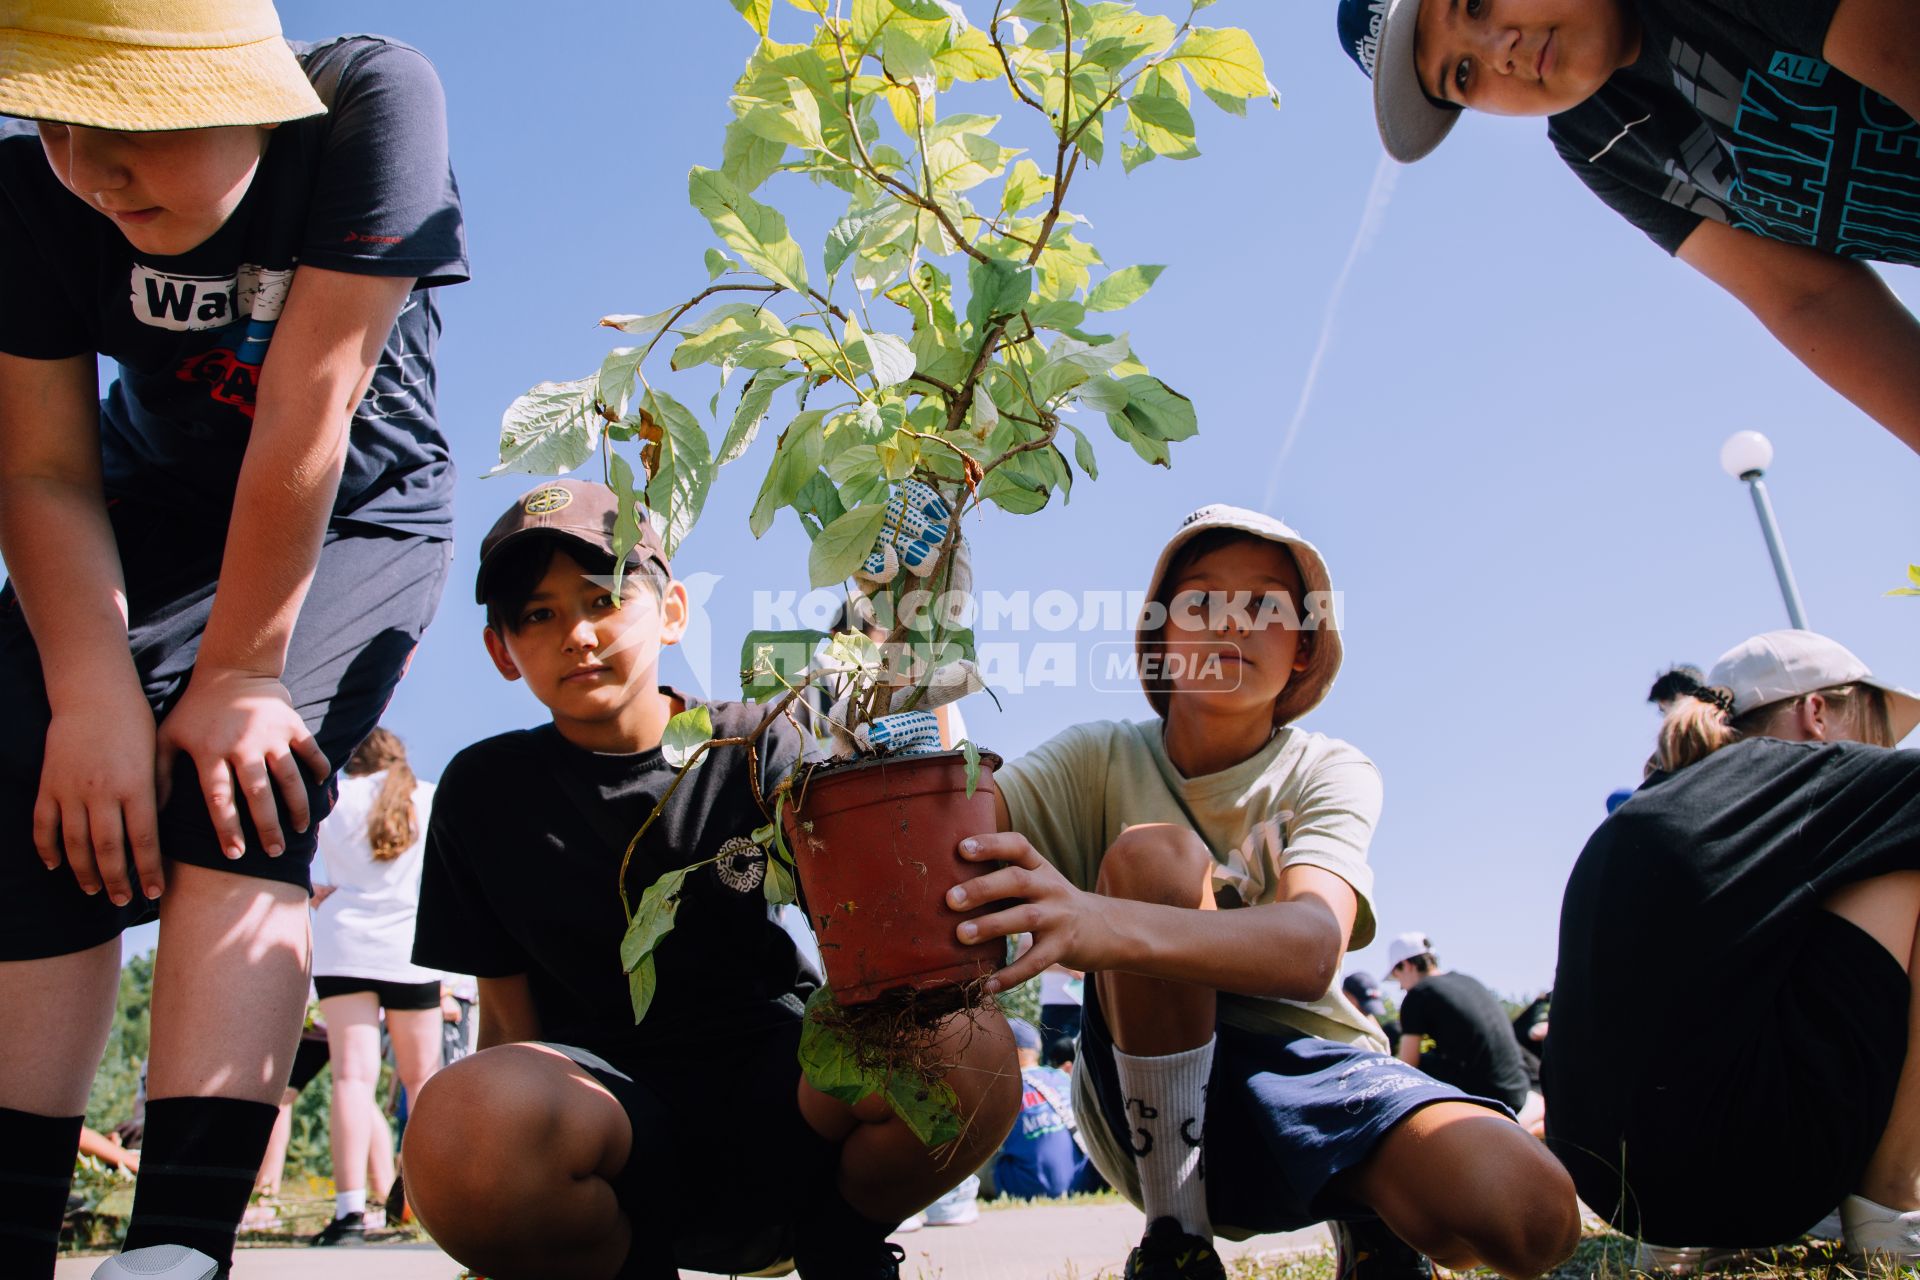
(346, 1202)
(1166, 1099)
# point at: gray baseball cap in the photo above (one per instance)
(1379, 36)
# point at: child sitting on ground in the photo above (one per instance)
(1208, 868)
(615, 1149)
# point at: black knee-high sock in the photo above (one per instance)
(197, 1166)
(36, 1170)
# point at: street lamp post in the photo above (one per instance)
(1746, 456)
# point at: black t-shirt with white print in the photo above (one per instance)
(364, 189)
(1731, 113)
(522, 877)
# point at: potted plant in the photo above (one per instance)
(932, 357)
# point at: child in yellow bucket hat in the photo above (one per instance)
(218, 571)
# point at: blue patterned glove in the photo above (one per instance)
(915, 527)
(902, 733)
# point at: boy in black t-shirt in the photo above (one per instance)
(1771, 145)
(1473, 1045)
(616, 1149)
(218, 571)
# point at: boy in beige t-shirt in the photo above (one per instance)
(1208, 869)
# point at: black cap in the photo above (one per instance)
(578, 510)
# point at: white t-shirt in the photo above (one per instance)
(365, 927)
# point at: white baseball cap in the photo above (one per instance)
(1779, 665)
(1406, 947)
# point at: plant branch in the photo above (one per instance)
(1006, 63)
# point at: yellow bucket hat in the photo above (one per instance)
(145, 65)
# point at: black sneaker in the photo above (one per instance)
(1368, 1250)
(351, 1229)
(1168, 1253)
(851, 1260)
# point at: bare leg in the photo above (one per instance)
(1469, 1188)
(1888, 908)
(416, 1046)
(56, 1013)
(379, 1157)
(353, 1049)
(510, 1156)
(885, 1172)
(229, 986)
(1147, 1016)
(273, 1165)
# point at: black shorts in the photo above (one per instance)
(409, 996)
(373, 593)
(722, 1159)
(1759, 1127)
(308, 1059)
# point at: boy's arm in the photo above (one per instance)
(507, 1015)
(1877, 42)
(236, 720)
(1289, 948)
(1409, 1051)
(1835, 314)
(96, 797)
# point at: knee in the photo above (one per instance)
(1522, 1223)
(472, 1145)
(1158, 862)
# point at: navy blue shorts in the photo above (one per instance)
(373, 593)
(1286, 1114)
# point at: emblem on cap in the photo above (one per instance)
(544, 502)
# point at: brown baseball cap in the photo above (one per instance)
(578, 510)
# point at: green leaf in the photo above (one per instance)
(773, 661)
(1225, 60)
(909, 61)
(653, 918)
(754, 402)
(972, 754)
(846, 235)
(550, 430)
(986, 414)
(996, 288)
(684, 735)
(756, 12)
(1083, 452)
(1913, 574)
(616, 378)
(626, 520)
(640, 985)
(682, 469)
(1026, 186)
(718, 264)
(749, 159)
(842, 545)
(892, 360)
(1123, 288)
(778, 886)
(1158, 409)
(1226, 102)
(1089, 357)
(930, 1108)
(1102, 394)
(818, 504)
(1163, 126)
(795, 458)
(757, 232)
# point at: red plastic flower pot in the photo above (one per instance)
(874, 848)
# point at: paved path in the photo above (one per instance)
(1053, 1242)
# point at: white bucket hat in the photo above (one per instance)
(1306, 689)
(1779, 665)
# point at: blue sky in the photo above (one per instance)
(1508, 456)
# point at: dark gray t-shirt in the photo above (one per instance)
(1732, 114)
(365, 188)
